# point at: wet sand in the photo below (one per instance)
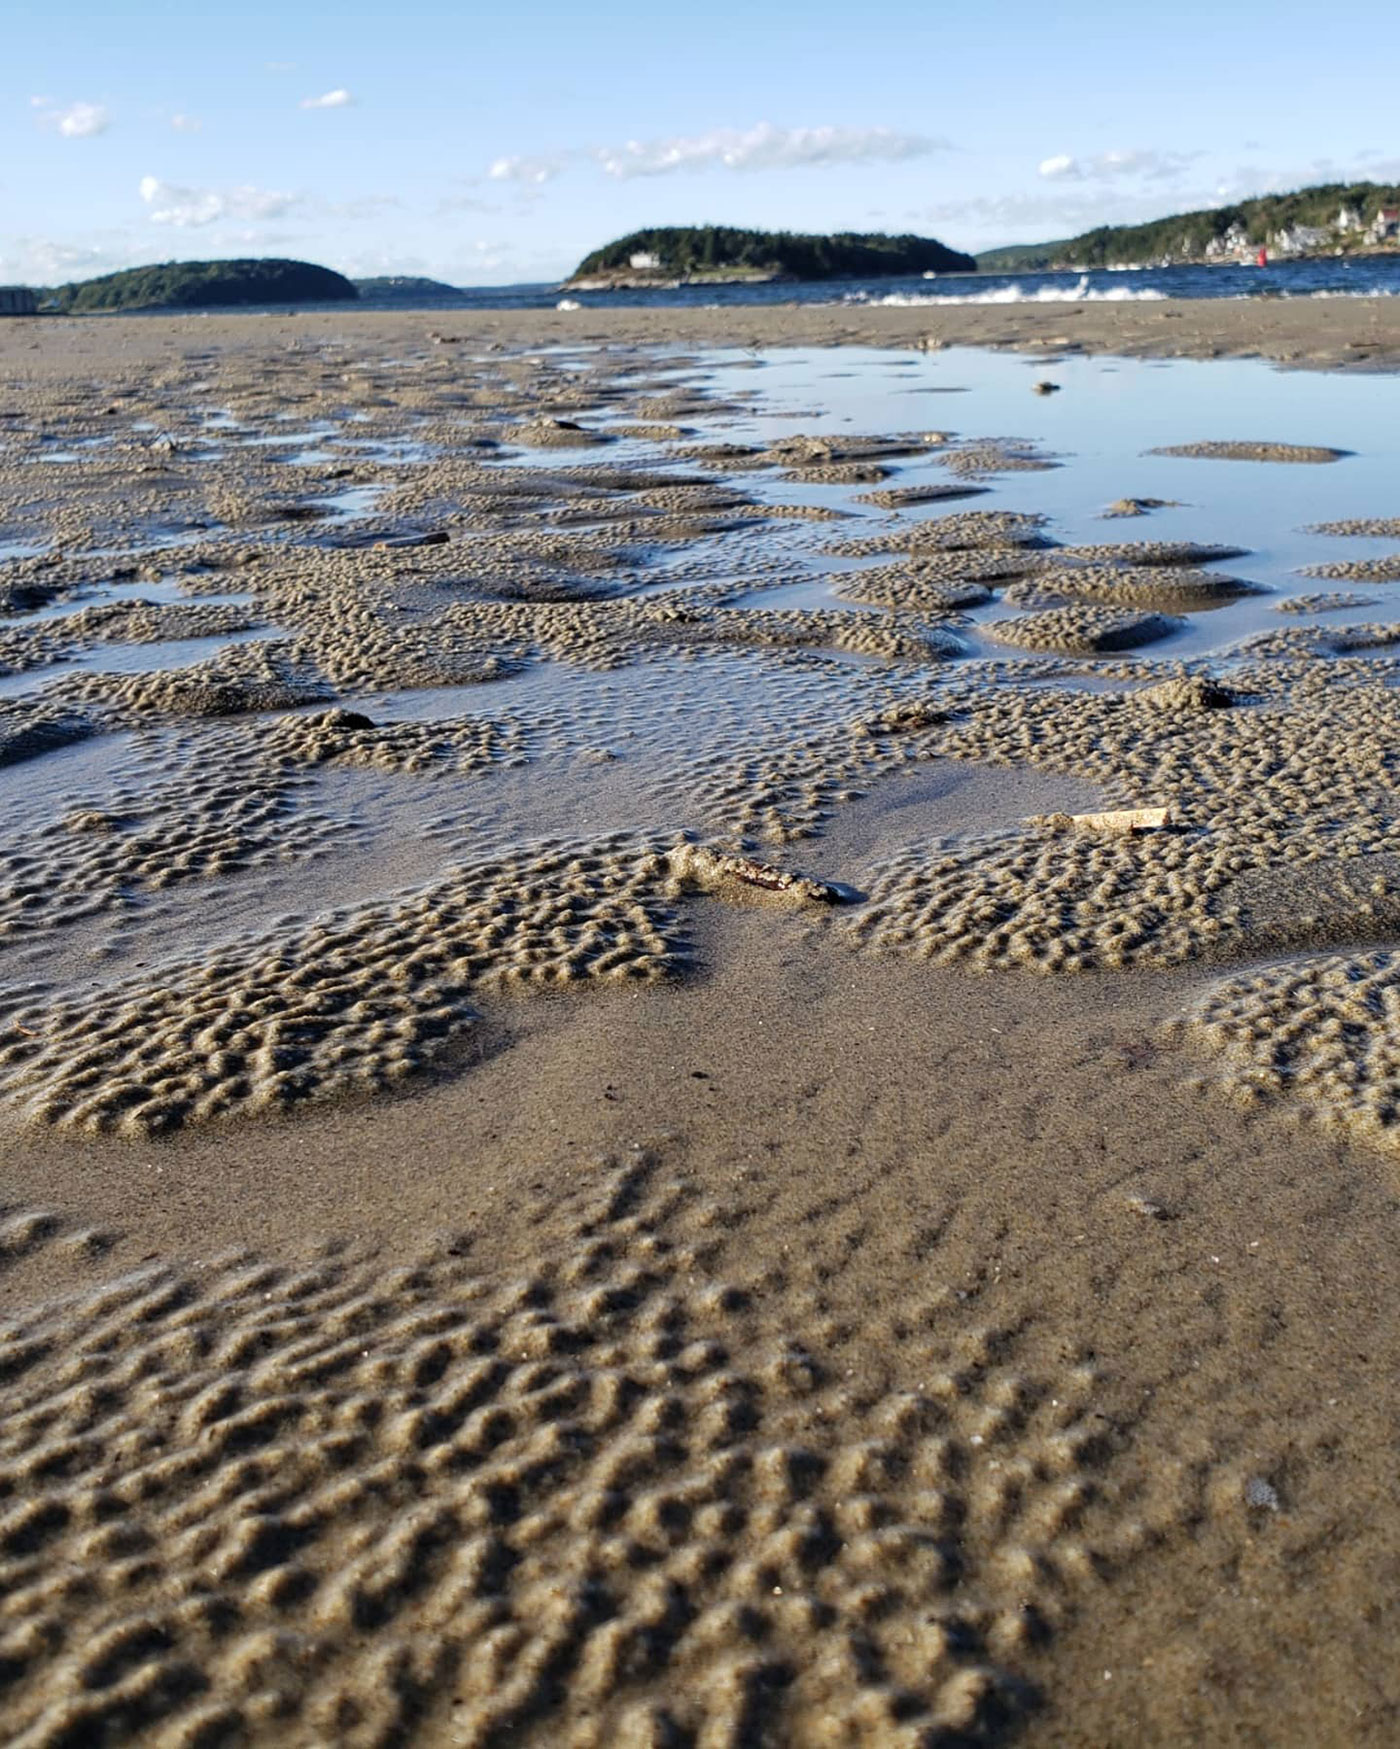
(479, 1267)
(1309, 333)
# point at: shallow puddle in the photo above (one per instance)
(1100, 426)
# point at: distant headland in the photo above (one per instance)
(1333, 218)
(407, 286)
(721, 254)
(192, 285)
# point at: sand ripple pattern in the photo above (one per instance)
(1278, 786)
(1049, 901)
(1249, 450)
(441, 519)
(1326, 1030)
(614, 1500)
(355, 1003)
(98, 857)
(1082, 629)
(1385, 569)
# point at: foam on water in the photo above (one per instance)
(1081, 292)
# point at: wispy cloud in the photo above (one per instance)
(1065, 205)
(766, 147)
(191, 208)
(489, 256)
(1063, 210)
(44, 261)
(1010, 211)
(337, 99)
(530, 171)
(1242, 181)
(363, 206)
(467, 203)
(1143, 162)
(75, 121)
(763, 147)
(185, 124)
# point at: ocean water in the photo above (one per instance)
(1355, 276)
(1351, 276)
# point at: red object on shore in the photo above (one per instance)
(1262, 258)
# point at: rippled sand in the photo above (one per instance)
(608, 1142)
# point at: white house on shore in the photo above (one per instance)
(1229, 245)
(17, 300)
(1299, 239)
(644, 261)
(1385, 227)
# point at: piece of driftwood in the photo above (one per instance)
(707, 869)
(1114, 820)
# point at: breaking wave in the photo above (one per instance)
(1081, 292)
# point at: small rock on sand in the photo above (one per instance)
(1139, 506)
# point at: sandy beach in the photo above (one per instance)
(1306, 333)
(609, 1137)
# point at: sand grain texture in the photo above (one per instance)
(543, 1202)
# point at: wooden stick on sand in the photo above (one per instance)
(1114, 820)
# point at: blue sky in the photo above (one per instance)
(490, 143)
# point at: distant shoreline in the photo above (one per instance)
(625, 279)
(623, 288)
(1350, 333)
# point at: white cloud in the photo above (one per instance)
(29, 260)
(1150, 165)
(189, 208)
(186, 124)
(75, 121)
(765, 147)
(80, 121)
(531, 171)
(337, 99)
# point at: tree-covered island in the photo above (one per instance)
(195, 285)
(713, 254)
